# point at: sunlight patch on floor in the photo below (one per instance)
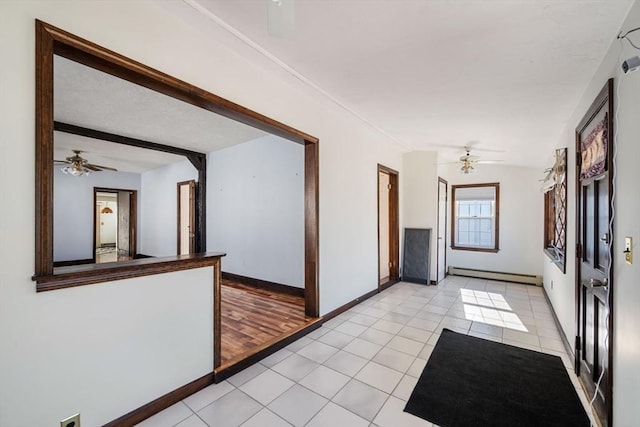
(490, 308)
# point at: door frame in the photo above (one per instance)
(444, 236)
(133, 218)
(604, 99)
(192, 215)
(394, 227)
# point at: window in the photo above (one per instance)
(555, 210)
(475, 217)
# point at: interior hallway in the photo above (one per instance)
(359, 368)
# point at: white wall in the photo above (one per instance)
(521, 219)
(626, 341)
(255, 209)
(73, 208)
(55, 359)
(158, 204)
(420, 190)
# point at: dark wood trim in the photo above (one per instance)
(604, 99)
(145, 411)
(78, 275)
(264, 284)
(217, 313)
(394, 225)
(471, 249)
(563, 337)
(74, 262)
(133, 224)
(438, 237)
(348, 305)
(95, 229)
(496, 247)
(311, 229)
(242, 362)
(125, 140)
(192, 215)
(387, 284)
(44, 152)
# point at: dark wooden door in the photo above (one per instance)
(594, 286)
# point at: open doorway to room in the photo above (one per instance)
(186, 217)
(388, 227)
(114, 227)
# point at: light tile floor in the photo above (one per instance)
(360, 368)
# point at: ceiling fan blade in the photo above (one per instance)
(64, 162)
(99, 168)
(280, 18)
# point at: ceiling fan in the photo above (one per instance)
(468, 161)
(79, 166)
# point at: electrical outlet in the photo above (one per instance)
(72, 421)
(628, 250)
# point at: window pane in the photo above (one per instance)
(463, 209)
(485, 239)
(463, 225)
(485, 225)
(486, 210)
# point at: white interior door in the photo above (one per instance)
(442, 229)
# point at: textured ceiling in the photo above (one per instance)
(439, 74)
(89, 98)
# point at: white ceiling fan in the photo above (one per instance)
(468, 161)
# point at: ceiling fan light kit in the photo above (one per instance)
(467, 168)
(75, 170)
(468, 161)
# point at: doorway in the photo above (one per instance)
(594, 256)
(114, 227)
(388, 228)
(186, 217)
(442, 230)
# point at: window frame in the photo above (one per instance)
(496, 219)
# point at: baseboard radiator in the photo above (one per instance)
(496, 275)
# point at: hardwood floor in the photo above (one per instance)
(253, 317)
